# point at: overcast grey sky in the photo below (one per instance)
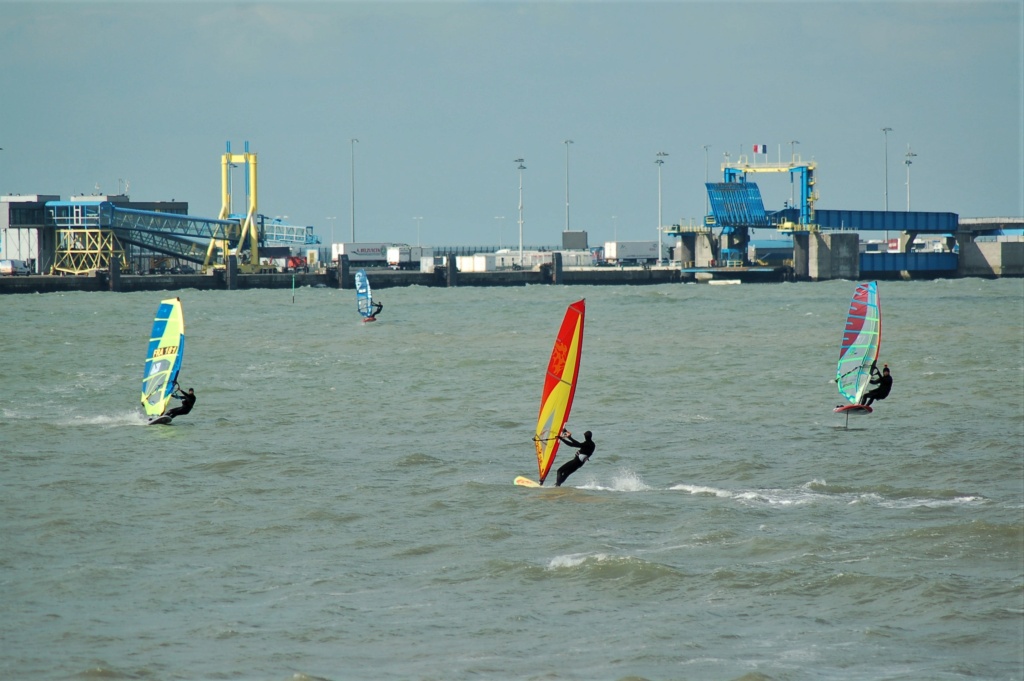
(443, 96)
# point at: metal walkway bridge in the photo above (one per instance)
(85, 228)
(90, 233)
(181, 236)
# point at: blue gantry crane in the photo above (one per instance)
(737, 206)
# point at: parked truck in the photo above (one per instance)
(365, 253)
(404, 257)
(631, 252)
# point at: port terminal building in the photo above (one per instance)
(87, 234)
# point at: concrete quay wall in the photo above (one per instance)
(833, 256)
(381, 278)
(817, 257)
(991, 258)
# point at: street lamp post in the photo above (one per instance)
(231, 190)
(885, 132)
(419, 223)
(706, 206)
(521, 169)
(660, 160)
(331, 220)
(500, 219)
(353, 144)
(567, 143)
(909, 155)
(792, 160)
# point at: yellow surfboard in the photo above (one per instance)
(523, 481)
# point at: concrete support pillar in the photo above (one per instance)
(556, 268)
(965, 248)
(801, 255)
(343, 271)
(451, 271)
(115, 274)
(906, 239)
(675, 249)
(833, 256)
(687, 250)
(232, 273)
(707, 243)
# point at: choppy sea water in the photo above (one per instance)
(339, 505)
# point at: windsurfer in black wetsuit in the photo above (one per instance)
(884, 383)
(188, 400)
(376, 311)
(586, 449)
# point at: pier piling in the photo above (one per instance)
(343, 269)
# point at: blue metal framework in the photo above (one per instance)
(908, 262)
(891, 221)
(737, 205)
(737, 172)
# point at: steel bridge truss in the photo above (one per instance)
(181, 236)
(90, 234)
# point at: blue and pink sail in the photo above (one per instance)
(862, 340)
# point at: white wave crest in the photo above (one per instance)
(701, 489)
(125, 418)
(575, 560)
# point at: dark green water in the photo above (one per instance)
(339, 503)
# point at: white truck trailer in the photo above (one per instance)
(631, 252)
(361, 253)
(406, 257)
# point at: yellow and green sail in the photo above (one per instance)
(559, 387)
(163, 357)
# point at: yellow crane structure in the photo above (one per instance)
(248, 236)
(91, 231)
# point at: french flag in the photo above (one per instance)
(760, 148)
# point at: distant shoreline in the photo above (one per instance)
(387, 278)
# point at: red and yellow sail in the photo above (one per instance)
(559, 387)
